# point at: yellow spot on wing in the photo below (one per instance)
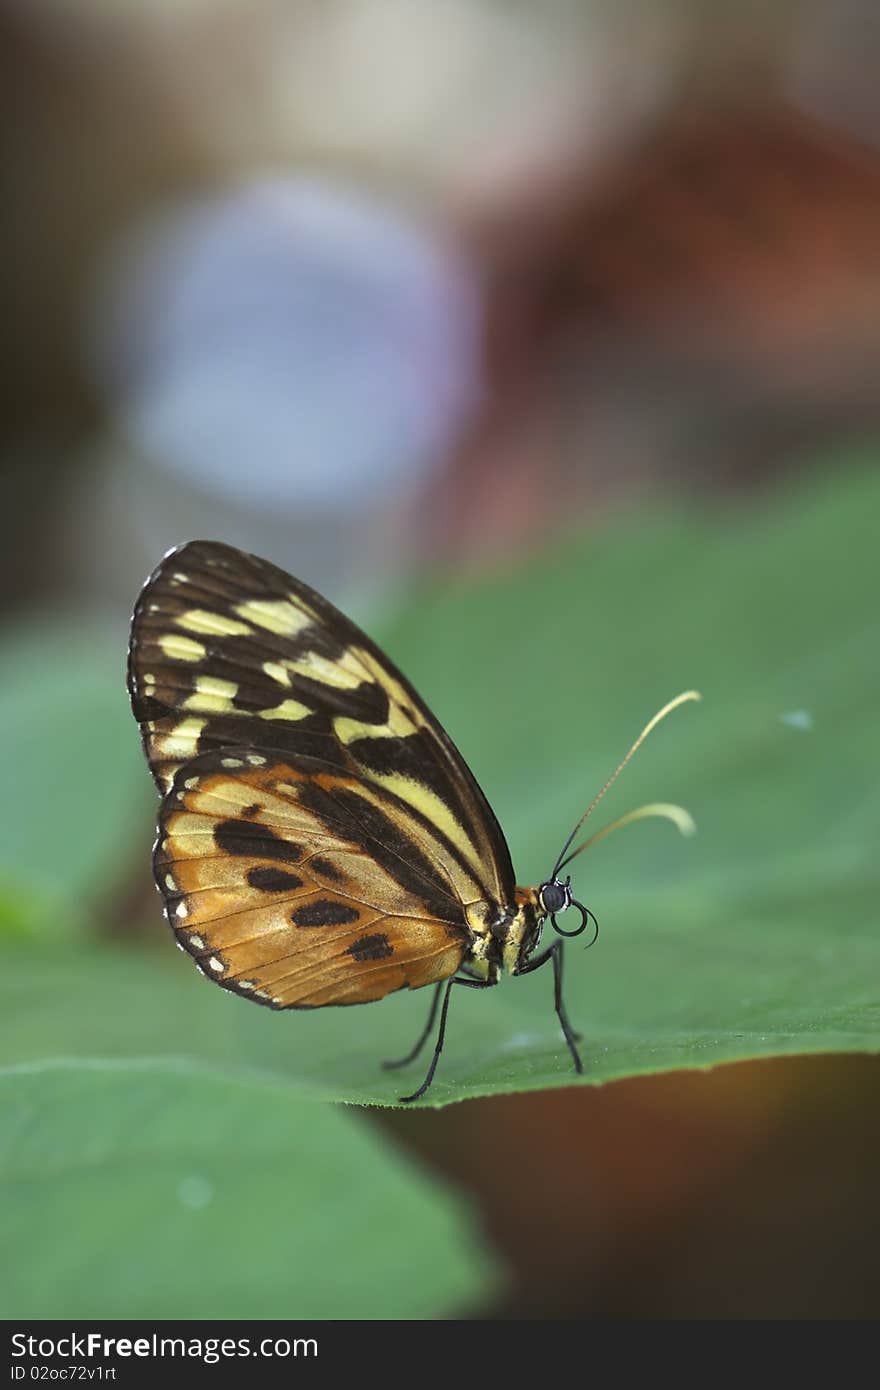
(180, 648)
(211, 695)
(340, 675)
(343, 674)
(275, 615)
(288, 709)
(212, 624)
(276, 672)
(396, 726)
(181, 741)
(397, 695)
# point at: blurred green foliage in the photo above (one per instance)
(71, 774)
(128, 1073)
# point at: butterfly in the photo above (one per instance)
(321, 840)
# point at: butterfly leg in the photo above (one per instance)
(456, 980)
(554, 953)
(423, 1036)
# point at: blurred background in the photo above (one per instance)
(388, 291)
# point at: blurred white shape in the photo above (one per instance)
(520, 1040)
(195, 1193)
(797, 719)
(292, 345)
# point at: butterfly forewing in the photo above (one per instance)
(229, 651)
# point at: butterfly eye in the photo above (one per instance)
(555, 897)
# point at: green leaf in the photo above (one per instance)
(165, 1191)
(758, 937)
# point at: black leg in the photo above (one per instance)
(554, 953)
(456, 980)
(423, 1036)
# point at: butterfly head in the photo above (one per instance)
(555, 897)
(524, 924)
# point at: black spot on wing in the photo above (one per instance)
(326, 868)
(324, 912)
(254, 841)
(372, 947)
(272, 880)
(146, 708)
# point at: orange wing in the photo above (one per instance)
(299, 885)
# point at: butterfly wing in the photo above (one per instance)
(228, 650)
(301, 886)
(253, 692)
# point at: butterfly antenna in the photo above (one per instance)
(658, 810)
(679, 816)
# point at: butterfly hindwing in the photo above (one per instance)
(276, 882)
(229, 651)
